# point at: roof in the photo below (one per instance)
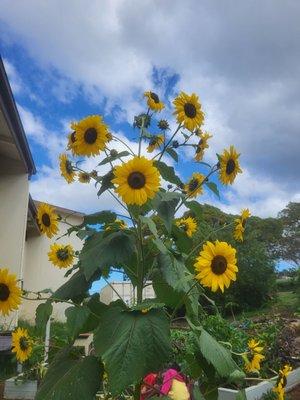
(9, 109)
(61, 209)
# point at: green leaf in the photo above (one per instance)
(213, 187)
(131, 345)
(183, 242)
(150, 223)
(71, 377)
(42, 314)
(241, 395)
(197, 395)
(216, 354)
(97, 308)
(174, 272)
(75, 288)
(160, 245)
(164, 292)
(102, 217)
(76, 319)
(106, 182)
(172, 153)
(165, 204)
(108, 159)
(167, 173)
(101, 251)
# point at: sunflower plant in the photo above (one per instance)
(151, 239)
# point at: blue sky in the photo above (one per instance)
(99, 57)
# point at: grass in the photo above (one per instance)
(287, 300)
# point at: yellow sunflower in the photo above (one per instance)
(189, 225)
(153, 101)
(254, 360)
(240, 225)
(137, 180)
(10, 293)
(216, 265)
(155, 142)
(47, 219)
(202, 145)
(21, 344)
(279, 389)
(72, 143)
(91, 136)
(66, 168)
(117, 224)
(194, 187)
(84, 177)
(254, 356)
(61, 255)
(188, 111)
(229, 166)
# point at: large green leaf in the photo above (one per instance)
(75, 288)
(71, 378)
(195, 207)
(150, 223)
(106, 182)
(172, 153)
(76, 319)
(168, 173)
(197, 395)
(102, 217)
(42, 314)
(132, 344)
(165, 204)
(101, 251)
(213, 187)
(241, 395)
(216, 354)
(183, 242)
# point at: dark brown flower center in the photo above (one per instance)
(73, 138)
(46, 220)
(190, 110)
(154, 97)
(136, 180)
(23, 343)
(193, 184)
(69, 168)
(153, 141)
(62, 254)
(4, 292)
(230, 166)
(90, 135)
(219, 265)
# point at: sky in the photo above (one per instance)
(68, 60)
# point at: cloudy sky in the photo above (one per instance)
(66, 60)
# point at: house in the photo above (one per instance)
(126, 291)
(23, 250)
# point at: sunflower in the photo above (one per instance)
(72, 143)
(47, 219)
(91, 135)
(254, 357)
(153, 101)
(117, 224)
(21, 344)
(238, 230)
(189, 225)
(10, 293)
(163, 124)
(229, 166)
(84, 177)
(66, 168)
(202, 145)
(254, 360)
(155, 142)
(61, 255)
(137, 180)
(279, 389)
(194, 185)
(216, 265)
(188, 111)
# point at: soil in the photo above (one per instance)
(295, 393)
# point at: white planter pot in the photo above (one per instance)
(255, 392)
(19, 390)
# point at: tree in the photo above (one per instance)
(289, 244)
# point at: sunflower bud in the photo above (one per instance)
(113, 153)
(175, 144)
(163, 124)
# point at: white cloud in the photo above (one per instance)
(13, 76)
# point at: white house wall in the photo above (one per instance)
(39, 273)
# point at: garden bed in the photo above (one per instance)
(19, 390)
(255, 392)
